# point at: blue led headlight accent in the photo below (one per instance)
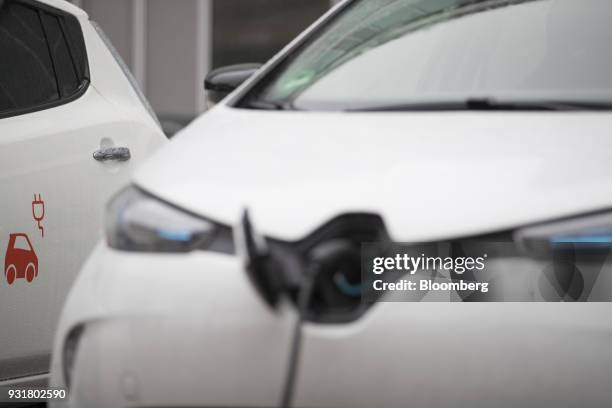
(584, 239)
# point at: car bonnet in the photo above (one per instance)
(430, 175)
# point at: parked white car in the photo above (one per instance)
(73, 126)
(400, 120)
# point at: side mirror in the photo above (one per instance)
(222, 81)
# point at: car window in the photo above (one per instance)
(44, 61)
(26, 71)
(72, 30)
(21, 243)
(392, 52)
(65, 69)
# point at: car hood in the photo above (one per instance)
(429, 175)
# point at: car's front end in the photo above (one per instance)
(164, 311)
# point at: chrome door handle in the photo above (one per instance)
(112, 154)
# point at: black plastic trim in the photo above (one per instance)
(45, 106)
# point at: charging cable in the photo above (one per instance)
(303, 300)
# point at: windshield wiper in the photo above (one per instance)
(489, 104)
(261, 104)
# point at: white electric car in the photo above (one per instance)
(72, 128)
(229, 276)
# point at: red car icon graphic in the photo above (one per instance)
(20, 260)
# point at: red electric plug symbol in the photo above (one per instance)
(38, 212)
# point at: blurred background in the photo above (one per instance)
(171, 45)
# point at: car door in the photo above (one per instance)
(64, 149)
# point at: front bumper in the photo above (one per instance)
(190, 330)
(173, 330)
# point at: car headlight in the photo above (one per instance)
(138, 222)
(587, 233)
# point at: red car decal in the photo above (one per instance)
(20, 260)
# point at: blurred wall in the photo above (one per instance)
(255, 30)
(171, 45)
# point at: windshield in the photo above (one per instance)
(382, 53)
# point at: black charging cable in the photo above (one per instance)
(323, 258)
(303, 300)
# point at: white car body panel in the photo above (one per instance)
(50, 152)
(296, 170)
(500, 355)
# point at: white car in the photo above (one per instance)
(388, 120)
(72, 128)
